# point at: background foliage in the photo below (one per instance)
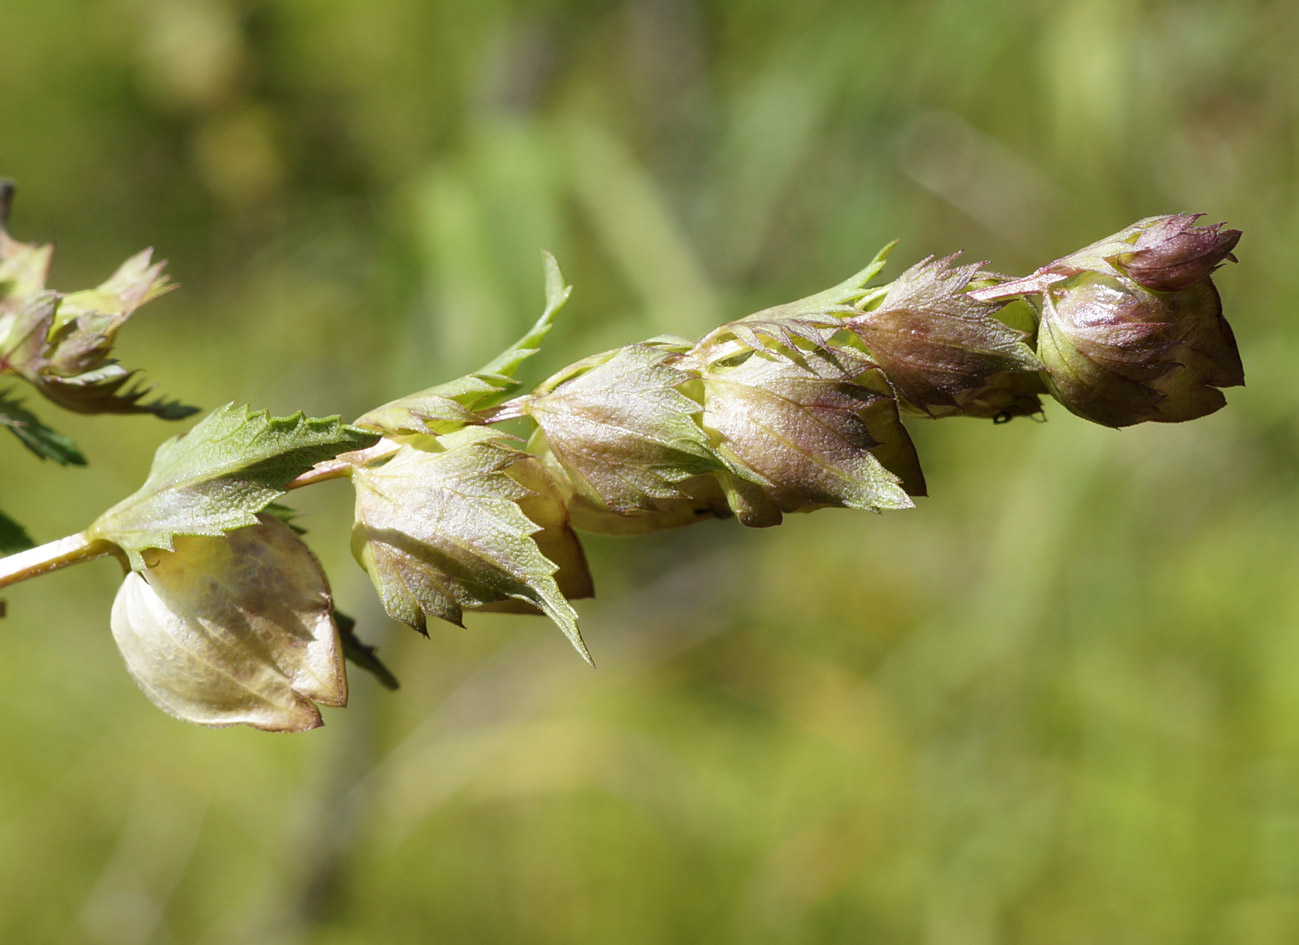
(1057, 703)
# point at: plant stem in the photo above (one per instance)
(342, 465)
(51, 556)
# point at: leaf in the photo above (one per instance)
(136, 282)
(803, 434)
(62, 344)
(13, 537)
(220, 474)
(36, 436)
(110, 389)
(852, 291)
(934, 340)
(287, 515)
(439, 529)
(504, 365)
(621, 428)
(547, 506)
(450, 406)
(23, 266)
(361, 654)
(233, 630)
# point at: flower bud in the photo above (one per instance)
(1171, 253)
(1132, 327)
(1118, 354)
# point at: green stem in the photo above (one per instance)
(51, 556)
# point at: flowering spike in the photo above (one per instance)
(791, 409)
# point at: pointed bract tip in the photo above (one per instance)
(1172, 252)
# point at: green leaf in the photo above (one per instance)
(36, 436)
(503, 366)
(220, 474)
(622, 429)
(800, 434)
(361, 654)
(450, 406)
(13, 537)
(808, 323)
(287, 515)
(851, 292)
(109, 389)
(233, 630)
(439, 529)
(934, 340)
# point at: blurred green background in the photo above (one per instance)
(1058, 703)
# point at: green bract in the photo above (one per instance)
(449, 406)
(440, 528)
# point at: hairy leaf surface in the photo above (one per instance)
(233, 630)
(440, 530)
(220, 474)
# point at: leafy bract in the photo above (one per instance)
(23, 266)
(362, 654)
(701, 498)
(452, 405)
(852, 292)
(13, 537)
(807, 432)
(36, 436)
(545, 503)
(439, 529)
(621, 429)
(233, 630)
(220, 474)
(934, 340)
